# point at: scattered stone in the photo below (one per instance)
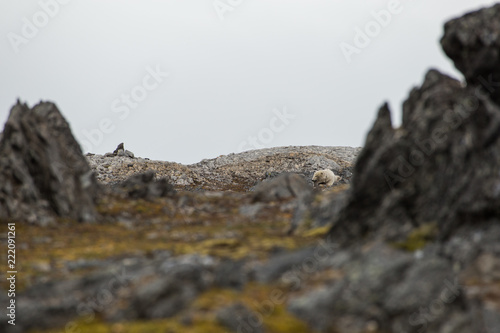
(285, 186)
(387, 288)
(120, 151)
(119, 148)
(239, 318)
(230, 274)
(282, 263)
(144, 186)
(167, 295)
(327, 206)
(43, 173)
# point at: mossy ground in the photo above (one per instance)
(201, 316)
(189, 223)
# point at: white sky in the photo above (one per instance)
(228, 78)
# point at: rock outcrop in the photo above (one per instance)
(473, 43)
(120, 151)
(423, 210)
(144, 185)
(43, 173)
(442, 166)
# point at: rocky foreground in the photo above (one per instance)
(407, 241)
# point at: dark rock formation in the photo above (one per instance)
(43, 172)
(120, 151)
(386, 290)
(473, 43)
(431, 187)
(118, 148)
(284, 186)
(239, 318)
(144, 186)
(166, 295)
(441, 166)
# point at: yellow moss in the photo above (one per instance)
(151, 326)
(419, 237)
(259, 298)
(316, 232)
(266, 301)
(229, 243)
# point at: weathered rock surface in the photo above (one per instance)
(441, 166)
(389, 291)
(285, 186)
(430, 187)
(120, 151)
(473, 43)
(239, 318)
(235, 172)
(43, 173)
(145, 186)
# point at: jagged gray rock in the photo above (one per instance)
(473, 43)
(145, 186)
(440, 166)
(119, 148)
(239, 318)
(120, 151)
(282, 187)
(385, 290)
(43, 173)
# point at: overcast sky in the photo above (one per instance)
(185, 80)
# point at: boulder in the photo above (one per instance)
(431, 187)
(43, 173)
(120, 151)
(473, 43)
(237, 317)
(119, 148)
(145, 186)
(285, 186)
(385, 290)
(440, 167)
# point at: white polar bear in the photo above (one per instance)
(325, 177)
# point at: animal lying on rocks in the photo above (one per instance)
(325, 177)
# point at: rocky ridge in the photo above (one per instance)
(237, 172)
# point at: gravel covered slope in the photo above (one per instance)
(238, 172)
